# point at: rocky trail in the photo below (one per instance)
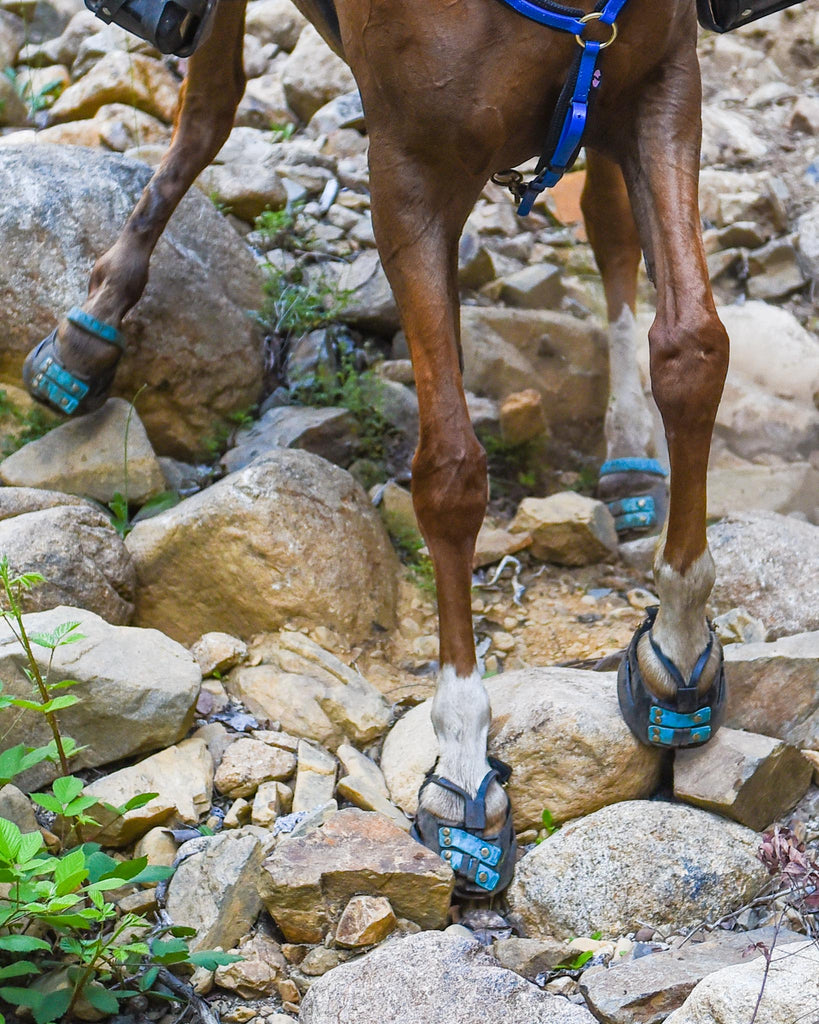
(233, 534)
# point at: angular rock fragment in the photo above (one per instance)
(218, 653)
(257, 973)
(307, 880)
(530, 957)
(315, 778)
(567, 528)
(248, 763)
(365, 921)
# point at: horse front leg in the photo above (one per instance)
(87, 343)
(676, 657)
(632, 480)
(419, 209)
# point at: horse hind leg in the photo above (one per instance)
(632, 479)
(210, 95)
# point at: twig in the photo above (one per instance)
(185, 991)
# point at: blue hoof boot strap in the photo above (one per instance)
(98, 328)
(690, 718)
(638, 512)
(483, 865)
(650, 466)
(49, 381)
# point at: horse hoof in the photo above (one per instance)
(689, 719)
(47, 379)
(636, 493)
(483, 864)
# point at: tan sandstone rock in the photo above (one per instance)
(313, 75)
(567, 528)
(365, 921)
(120, 77)
(248, 763)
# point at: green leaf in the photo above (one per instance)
(140, 800)
(49, 802)
(30, 846)
(19, 969)
(22, 996)
(50, 706)
(57, 637)
(152, 874)
(99, 864)
(128, 869)
(159, 503)
(67, 787)
(147, 980)
(210, 959)
(53, 1005)
(22, 944)
(10, 839)
(100, 998)
(70, 873)
(181, 931)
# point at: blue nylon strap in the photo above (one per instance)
(674, 720)
(562, 22)
(634, 521)
(91, 325)
(482, 876)
(651, 466)
(643, 504)
(59, 387)
(678, 737)
(458, 839)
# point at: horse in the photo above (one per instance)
(454, 92)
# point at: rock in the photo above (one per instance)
(87, 457)
(13, 110)
(315, 778)
(727, 137)
(159, 846)
(257, 973)
(61, 49)
(264, 103)
(475, 266)
(769, 565)
(788, 487)
(805, 116)
(248, 763)
(216, 653)
(493, 544)
(313, 75)
(115, 126)
(808, 241)
(738, 627)
(272, 799)
(427, 978)
(729, 996)
(245, 185)
(15, 806)
(395, 506)
(773, 688)
(646, 990)
(365, 921)
(309, 542)
(753, 779)
(307, 880)
(362, 793)
(342, 112)
(774, 270)
(567, 528)
(137, 690)
(521, 417)
(312, 693)
(275, 21)
(120, 77)
(71, 209)
(370, 304)
(529, 957)
(636, 862)
(182, 778)
(214, 891)
(12, 37)
(327, 432)
(84, 561)
(591, 758)
(538, 286)
(362, 767)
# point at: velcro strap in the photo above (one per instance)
(58, 386)
(634, 521)
(472, 869)
(651, 466)
(673, 719)
(91, 325)
(643, 504)
(458, 839)
(665, 737)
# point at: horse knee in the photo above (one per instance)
(689, 361)
(449, 489)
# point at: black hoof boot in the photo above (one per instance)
(686, 720)
(483, 864)
(636, 493)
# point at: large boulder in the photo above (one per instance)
(786, 992)
(189, 338)
(561, 731)
(313, 75)
(767, 564)
(137, 690)
(636, 863)
(81, 556)
(428, 978)
(290, 537)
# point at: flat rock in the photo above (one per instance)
(646, 990)
(786, 487)
(567, 528)
(494, 543)
(248, 763)
(82, 558)
(636, 863)
(200, 368)
(214, 891)
(307, 880)
(590, 759)
(329, 433)
(773, 688)
(137, 690)
(182, 778)
(530, 957)
(87, 457)
(522, 417)
(365, 921)
(310, 692)
(428, 978)
(310, 547)
(769, 565)
(751, 778)
(791, 990)
(120, 77)
(315, 778)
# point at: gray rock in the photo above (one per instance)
(16, 501)
(370, 304)
(730, 996)
(215, 892)
(15, 806)
(216, 653)
(751, 778)
(86, 457)
(539, 286)
(636, 863)
(590, 759)
(315, 778)
(308, 540)
(275, 21)
(773, 688)
(530, 957)
(248, 763)
(646, 990)
(428, 978)
(12, 37)
(808, 241)
(567, 528)
(328, 432)
(769, 565)
(774, 270)
(313, 75)
(137, 690)
(786, 487)
(200, 368)
(81, 556)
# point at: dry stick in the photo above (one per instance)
(768, 954)
(184, 990)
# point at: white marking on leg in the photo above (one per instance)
(680, 630)
(629, 423)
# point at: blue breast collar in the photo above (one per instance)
(565, 134)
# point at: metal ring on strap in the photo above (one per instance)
(596, 16)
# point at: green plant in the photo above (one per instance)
(295, 304)
(549, 826)
(513, 469)
(221, 206)
(63, 943)
(282, 132)
(217, 441)
(29, 425)
(279, 228)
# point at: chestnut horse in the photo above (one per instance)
(453, 92)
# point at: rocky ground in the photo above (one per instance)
(258, 612)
